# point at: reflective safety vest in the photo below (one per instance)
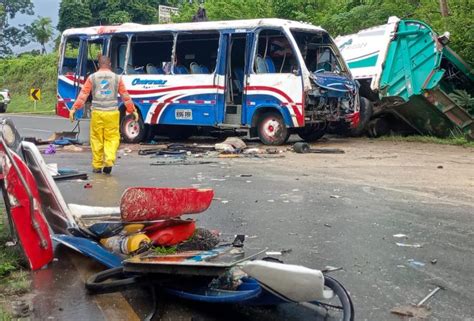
(105, 90)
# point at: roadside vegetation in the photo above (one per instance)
(22, 73)
(13, 279)
(454, 140)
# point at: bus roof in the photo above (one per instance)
(193, 26)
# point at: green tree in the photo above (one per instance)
(41, 31)
(12, 36)
(74, 14)
(227, 10)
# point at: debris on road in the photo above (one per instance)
(419, 310)
(415, 245)
(183, 161)
(400, 235)
(88, 185)
(72, 148)
(334, 196)
(305, 148)
(50, 150)
(434, 261)
(415, 264)
(329, 268)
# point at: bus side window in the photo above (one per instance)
(196, 53)
(150, 53)
(274, 53)
(71, 51)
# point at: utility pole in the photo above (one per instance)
(443, 4)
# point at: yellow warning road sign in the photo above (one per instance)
(35, 94)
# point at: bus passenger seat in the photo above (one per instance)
(151, 69)
(261, 65)
(205, 70)
(270, 65)
(180, 70)
(195, 68)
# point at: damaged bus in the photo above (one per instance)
(267, 77)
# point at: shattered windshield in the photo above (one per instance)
(317, 52)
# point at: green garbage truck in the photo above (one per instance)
(416, 83)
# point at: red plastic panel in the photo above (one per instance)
(38, 254)
(152, 203)
(172, 235)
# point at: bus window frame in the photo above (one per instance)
(330, 44)
(291, 41)
(209, 32)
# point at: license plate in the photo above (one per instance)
(186, 114)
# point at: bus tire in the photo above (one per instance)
(365, 113)
(271, 129)
(132, 131)
(312, 133)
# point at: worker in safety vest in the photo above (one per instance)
(105, 117)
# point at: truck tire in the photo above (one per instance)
(3, 108)
(312, 133)
(271, 129)
(132, 131)
(378, 127)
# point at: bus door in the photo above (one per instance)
(274, 78)
(88, 61)
(79, 60)
(238, 46)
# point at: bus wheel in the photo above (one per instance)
(312, 133)
(132, 131)
(272, 129)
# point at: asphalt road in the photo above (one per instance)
(338, 210)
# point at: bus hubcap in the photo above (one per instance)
(133, 129)
(271, 128)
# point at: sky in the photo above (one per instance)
(44, 8)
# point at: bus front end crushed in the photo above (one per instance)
(333, 98)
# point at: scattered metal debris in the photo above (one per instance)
(418, 310)
(415, 264)
(400, 235)
(415, 245)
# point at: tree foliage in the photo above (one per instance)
(349, 16)
(80, 13)
(41, 31)
(74, 14)
(12, 36)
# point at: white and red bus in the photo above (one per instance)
(269, 77)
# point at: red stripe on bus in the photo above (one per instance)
(142, 92)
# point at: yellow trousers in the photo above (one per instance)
(104, 137)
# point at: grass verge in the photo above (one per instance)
(455, 140)
(13, 279)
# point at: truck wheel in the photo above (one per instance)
(132, 131)
(272, 129)
(3, 108)
(312, 133)
(378, 127)
(366, 111)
